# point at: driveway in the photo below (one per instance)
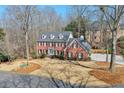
(12, 80)
(102, 57)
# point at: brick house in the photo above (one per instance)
(63, 43)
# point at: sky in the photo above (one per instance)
(60, 9)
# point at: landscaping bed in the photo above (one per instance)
(106, 76)
(27, 68)
(102, 63)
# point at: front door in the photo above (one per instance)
(50, 51)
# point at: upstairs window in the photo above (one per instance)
(44, 44)
(43, 36)
(74, 45)
(39, 43)
(52, 36)
(50, 44)
(56, 44)
(60, 36)
(62, 44)
(59, 44)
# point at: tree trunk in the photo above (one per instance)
(79, 26)
(27, 47)
(106, 52)
(113, 54)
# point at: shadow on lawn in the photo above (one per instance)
(12, 80)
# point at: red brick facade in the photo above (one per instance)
(71, 51)
(75, 49)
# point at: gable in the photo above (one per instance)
(83, 45)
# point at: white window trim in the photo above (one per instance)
(44, 43)
(69, 54)
(50, 44)
(79, 55)
(56, 44)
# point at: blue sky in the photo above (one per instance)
(60, 9)
(2, 9)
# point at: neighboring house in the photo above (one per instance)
(98, 39)
(63, 43)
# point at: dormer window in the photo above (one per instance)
(60, 36)
(52, 36)
(43, 36)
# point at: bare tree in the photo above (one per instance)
(113, 15)
(78, 12)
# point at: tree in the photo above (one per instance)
(73, 27)
(25, 28)
(18, 25)
(2, 34)
(113, 15)
(78, 17)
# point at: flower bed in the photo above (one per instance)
(27, 69)
(106, 76)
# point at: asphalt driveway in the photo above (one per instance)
(12, 80)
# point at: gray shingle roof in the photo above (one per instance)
(85, 44)
(55, 36)
(65, 36)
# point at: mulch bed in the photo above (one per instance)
(106, 76)
(102, 63)
(27, 69)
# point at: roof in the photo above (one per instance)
(55, 36)
(84, 44)
(63, 37)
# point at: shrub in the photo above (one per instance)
(42, 56)
(61, 57)
(34, 55)
(120, 42)
(109, 50)
(122, 52)
(4, 58)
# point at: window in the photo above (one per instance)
(50, 44)
(79, 55)
(56, 53)
(74, 45)
(52, 36)
(44, 44)
(56, 44)
(43, 36)
(39, 51)
(59, 44)
(69, 54)
(60, 36)
(39, 43)
(62, 44)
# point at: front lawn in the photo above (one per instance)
(75, 72)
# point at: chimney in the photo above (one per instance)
(81, 37)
